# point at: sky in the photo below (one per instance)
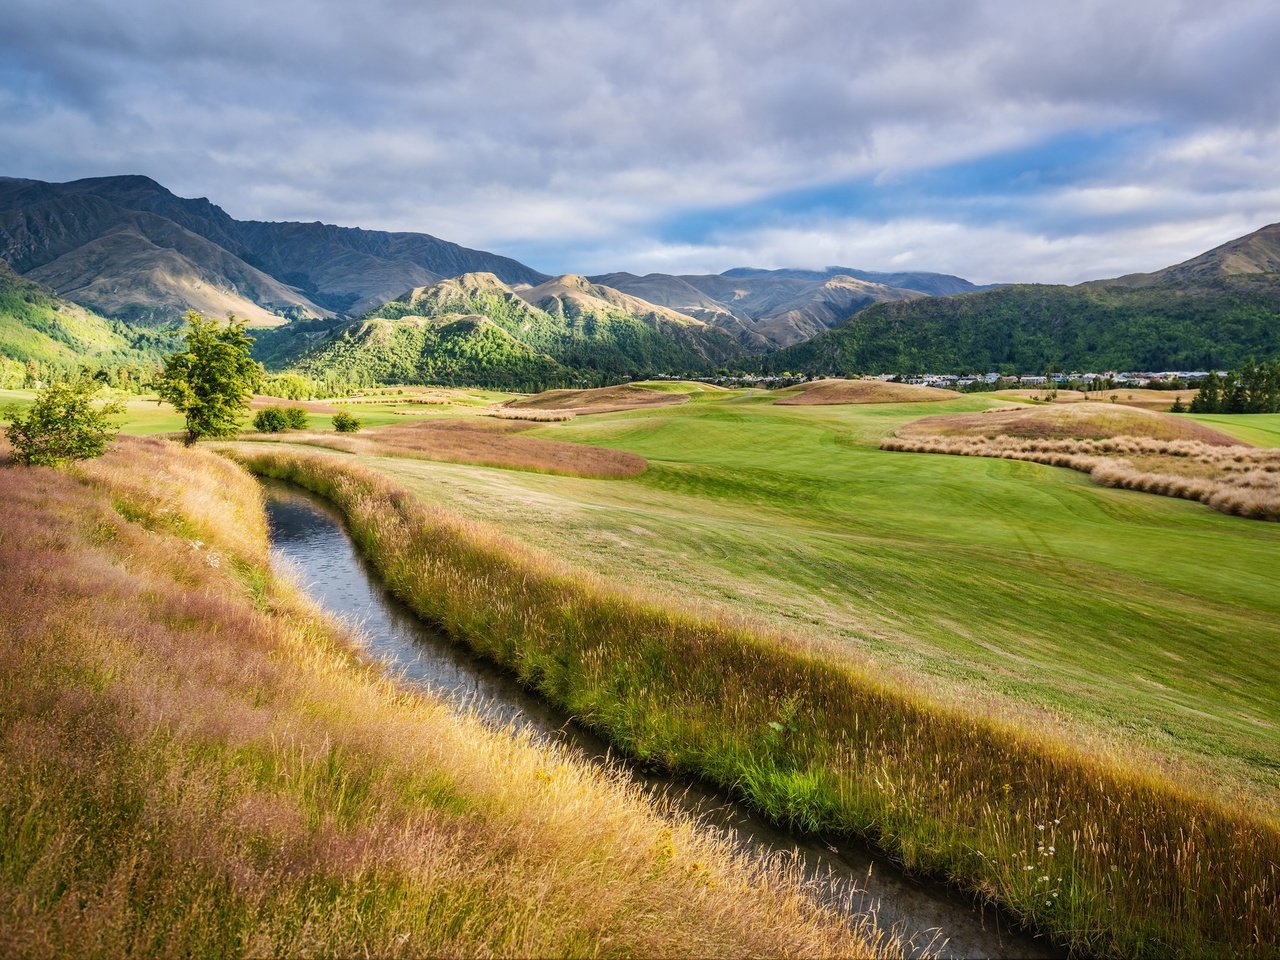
(1001, 141)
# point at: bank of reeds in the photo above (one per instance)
(194, 763)
(1239, 480)
(1101, 851)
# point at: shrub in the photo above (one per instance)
(296, 417)
(63, 424)
(344, 422)
(271, 420)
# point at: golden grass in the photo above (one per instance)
(193, 762)
(533, 416)
(486, 441)
(1103, 851)
(1067, 421)
(1146, 399)
(860, 391)
(260, 401)
(1162, 454)
(627, 396)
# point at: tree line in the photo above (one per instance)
(1254, 388)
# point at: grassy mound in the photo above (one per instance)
(1118, 447)
(627, 396)
(1135, 397)
(861, 391)
(1093, 421)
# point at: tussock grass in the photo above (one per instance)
(1129, 397)
(1237, 480)
(533, 416)
(861, 391)
(194, 762)
(484, 441)
(1094, 421)
(1103, 852)
(627, 396)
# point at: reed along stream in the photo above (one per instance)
(308, 540)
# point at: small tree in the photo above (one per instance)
(63, 424)
(211, 381)
(295, 418)
(270, 420)
(344, 422)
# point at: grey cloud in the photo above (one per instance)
(505, 122)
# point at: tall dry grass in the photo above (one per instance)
(626, 396)
(193, 762)
(861, 391)
(1102, 851)
(1237, 480)
(486, 442)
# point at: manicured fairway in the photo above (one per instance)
(1118, 612)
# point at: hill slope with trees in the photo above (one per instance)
(1215, 311)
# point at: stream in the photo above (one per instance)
(308, 540)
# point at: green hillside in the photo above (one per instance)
(1213, 324)
(452, 350)
(579, 328)
(36, 325)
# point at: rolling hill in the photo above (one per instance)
(453, 350)
(589, 331)
(1213, 311)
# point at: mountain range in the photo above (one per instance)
(130, 249)
(110, 258)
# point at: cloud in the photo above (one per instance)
(579, 132)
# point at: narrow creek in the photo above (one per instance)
(308, 539)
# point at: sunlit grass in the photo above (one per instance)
(1096, 845)
(194, 762)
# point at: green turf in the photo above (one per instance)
(1139, 615)
(1259, 429)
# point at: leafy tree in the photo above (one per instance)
(344, 422)
(212, 380)
(63, 424)
(295, 418)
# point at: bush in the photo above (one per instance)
(296, 417)
(63, 424)
(271, 420)
(344, 422)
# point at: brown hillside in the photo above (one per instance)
(861, 391)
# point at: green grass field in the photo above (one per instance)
(1139, 617)
(1134, 616)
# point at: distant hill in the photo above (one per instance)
(584, 327)
(130, 249)
(452, 350)
(35, 324)
(1213, 311)
(766, 309)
